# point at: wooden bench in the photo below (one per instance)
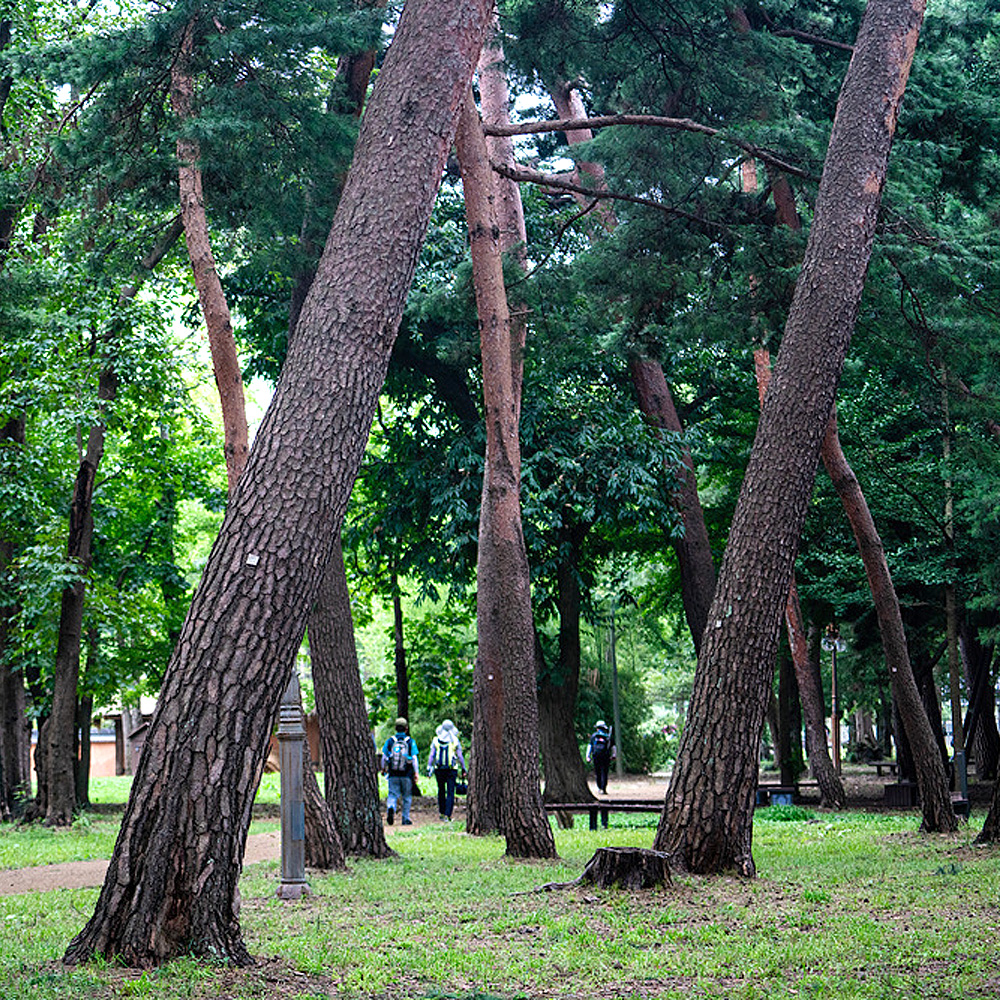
(890, 765)
(605, 806)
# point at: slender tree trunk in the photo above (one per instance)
(831, 788)
(84, 714)
(935, 800)
(789, 722)
(15, 727)
(60, 758)
(323, 847)
(504, 623)
(558, 687)
(982, 736)
(214, 308)
(171, 884)
(693, 549)
(708, 812)
(399, 652)
(990, 833)
(487, 759)
(349, 756)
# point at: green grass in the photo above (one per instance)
(848, 905)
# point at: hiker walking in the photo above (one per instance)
(601, 751)
(444, 761)
(400, 763)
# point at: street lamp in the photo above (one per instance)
(832, 642)
(291, 744)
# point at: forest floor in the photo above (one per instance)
(864, 791)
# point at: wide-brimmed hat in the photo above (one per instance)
(447, 731)
(601, 724)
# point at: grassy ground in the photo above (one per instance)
(848, 905)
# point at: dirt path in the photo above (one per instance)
(267, 846)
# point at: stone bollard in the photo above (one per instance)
(291, 740)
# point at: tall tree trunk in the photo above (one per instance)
(171, 884)
(60, 758)
(982, 735)
(789, 722)
(84, 715)
(399, 652)
(15, 727)
(504, 622)
(559, 686)
(935, 800)
(487, 759)
(214, 308)
(831, 787)
(693, 549)
(708, 813)
(323, 847)
(349, 763)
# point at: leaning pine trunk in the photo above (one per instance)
(171, 886)
(707, 821)
(935, 799)
(831, 788)
(504, 623)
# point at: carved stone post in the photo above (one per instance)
(291, 739)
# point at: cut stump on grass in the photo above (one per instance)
(620, 868)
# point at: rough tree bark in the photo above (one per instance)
(214, 308)
(707, 821)
(831, 788)
(350, 772)
(171, 886)
(935, 800)
(486, 765)
(504, 624)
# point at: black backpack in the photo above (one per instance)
(601, 741)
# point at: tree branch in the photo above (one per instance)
(679, 124)
(527, 175)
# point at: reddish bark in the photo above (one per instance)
(504, 623)
(935, 800)
(214, 308)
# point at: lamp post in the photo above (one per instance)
(832, 642)
(291, 741)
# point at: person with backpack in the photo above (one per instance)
(601, 751)
(400, 762)
(444, 760)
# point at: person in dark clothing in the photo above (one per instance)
(444, 761)
(400, 762)
(601, 751)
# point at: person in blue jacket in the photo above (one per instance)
(400, 761)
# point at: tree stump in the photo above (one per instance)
(620, 868)
(627, 868)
